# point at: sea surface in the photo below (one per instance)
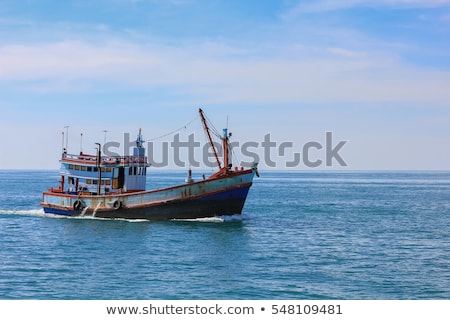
(303, 235)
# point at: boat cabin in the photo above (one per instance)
(93, 175)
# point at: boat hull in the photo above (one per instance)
(222, 196)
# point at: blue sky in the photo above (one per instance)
(375, 73)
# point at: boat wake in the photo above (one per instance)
(33, 213)
(219, 219)
(40, 213)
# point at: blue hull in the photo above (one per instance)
(61, 212)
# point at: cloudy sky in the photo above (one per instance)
(375, 73)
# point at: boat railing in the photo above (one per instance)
(131, 160)
(119, 160)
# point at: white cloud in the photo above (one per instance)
(331, 5)
(417, 3)
(67, 59)
(212, 72)
(346, 53)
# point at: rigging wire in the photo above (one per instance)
(175, 131)
(213, 128)
(234, 157)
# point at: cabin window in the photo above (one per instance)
(108, 169)
(108, 182)
(95, 182)
(89, 169)
(135, 171)
(130, 171)
(71, 166)
(103, 169)
(95, 169)
(83, 168)
(77, 167)
(89, 181)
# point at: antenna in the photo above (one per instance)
(81, 144)
(67, 137)
(62, 144)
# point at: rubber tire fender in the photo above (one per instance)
(117, 205)
(78, 205)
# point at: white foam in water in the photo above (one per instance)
(131, 220)
(219, 219)
(42, 214)
(34, 212)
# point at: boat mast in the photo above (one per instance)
(226, 149)
(99, 164)
(208, 133)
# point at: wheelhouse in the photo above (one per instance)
(93, 175)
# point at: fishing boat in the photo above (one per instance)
(115, 187)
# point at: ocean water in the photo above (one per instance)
(303, 235)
